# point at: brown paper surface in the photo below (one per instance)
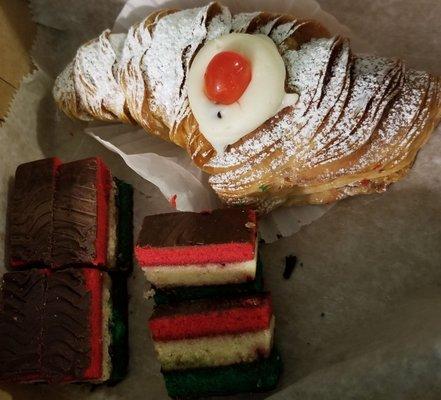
(17, 33)
(359, 317)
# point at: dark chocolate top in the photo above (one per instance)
(30, 218)
(188, 228)
(208, 305)
(75, 213)
(22, 298)
(44, 325)
(66, 326)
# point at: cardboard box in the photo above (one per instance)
(17, 33)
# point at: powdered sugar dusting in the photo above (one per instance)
(241, 21)
(219, 25)
(130, 75)
(95, 82)
(175, 39)
(66, 96)
(266, 29)
(282, 32)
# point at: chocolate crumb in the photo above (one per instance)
(290, 264)
(262, 241)
(322, 314)
(279, 236)
(219, 115)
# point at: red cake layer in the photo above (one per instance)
(211, 317)
(94, 283)
(103, 186)
(190, 255)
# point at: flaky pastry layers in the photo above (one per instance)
(357, 127)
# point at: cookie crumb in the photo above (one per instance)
(148, 294)
(290, 264)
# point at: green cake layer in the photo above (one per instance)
(119, 349)
(183, 293)
(124, 204)
(259, 376)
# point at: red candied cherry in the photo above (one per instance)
(227, 76)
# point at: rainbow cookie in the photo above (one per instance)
(198, 249)
(70, 314)
(70, 214)
(213, 332)
(216, 346)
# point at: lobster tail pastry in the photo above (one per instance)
(321, 124)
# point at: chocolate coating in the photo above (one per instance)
(44, 326)
(66, 326)
(190, 229)
(21, 325)
(75, 213)
(30, 227)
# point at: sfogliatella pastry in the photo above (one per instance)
(274, 109)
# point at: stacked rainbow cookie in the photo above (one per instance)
(213, 324)
(63, 307)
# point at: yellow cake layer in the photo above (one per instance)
(107, 337)
(201, 275)
(215, 351)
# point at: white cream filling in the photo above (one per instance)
(263, 98)
(212, 351)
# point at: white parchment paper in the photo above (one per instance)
(359, 318)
